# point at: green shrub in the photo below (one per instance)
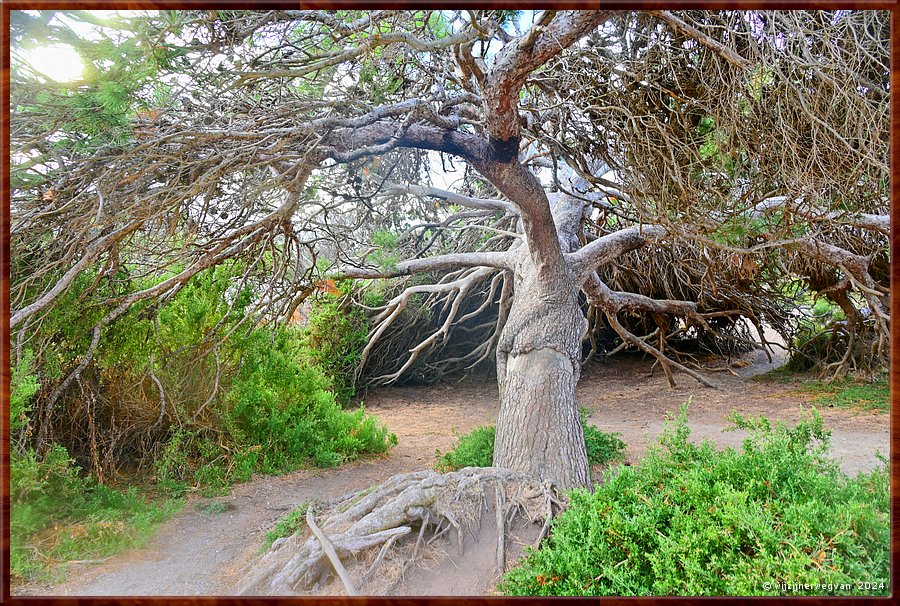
(284, 407)
(266, 392)
(819, 338)
(57, 515)
(22, 388)
(173, 465)
(288, 525)
(476, 448)
(602, 448)
(277, 410)
(334, 339)
(692, 520)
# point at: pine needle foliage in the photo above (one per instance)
(692, 520)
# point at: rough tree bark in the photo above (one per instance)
(538, 365)
(539, 352)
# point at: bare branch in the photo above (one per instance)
(518, 59)
(459, 288)
(720, 49)
(89, 256)
(496, 260)
(450, 197)
(611, 303)
(604, 249)
(376, 40)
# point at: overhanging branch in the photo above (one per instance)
(604, 249)
(496, 260)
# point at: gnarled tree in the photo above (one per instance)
(593, 142)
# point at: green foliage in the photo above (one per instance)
(758, 79)
(851, 393)
(286, 408)
(290, 524)
(505, 16)
(602, 448)
(57, 515)
(274, 408)
(117, 80)
(855, 392)
(22, 387)
(172, 466)
(438, 25)
(278, 414)
(375, 293)
(385, 239)
(824, 308)
(692, 520)
(736, 230)
(334, 339)
(386, 261)
(710, 146)
(717, 150)
(815, 340)
(386, 256)
(476, 448)
(279, 411)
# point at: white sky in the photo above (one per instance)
(60, 63)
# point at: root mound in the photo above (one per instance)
(484, 514)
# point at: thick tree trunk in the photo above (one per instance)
(538, 365)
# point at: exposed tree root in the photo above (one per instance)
(449, 506)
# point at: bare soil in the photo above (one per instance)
(199, 553)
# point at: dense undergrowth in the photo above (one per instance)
(476, 448)
(58, 515)
(694, 520)
(186, 396)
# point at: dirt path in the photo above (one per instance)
(198, 553)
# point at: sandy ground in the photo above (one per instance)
(198, 553)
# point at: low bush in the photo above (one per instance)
(280, 403)
(57, 515)
(602, 448)
(334, 338)
(693, 520)
(279, 414)
(195, 391)
(476, 448)
(287, 408)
